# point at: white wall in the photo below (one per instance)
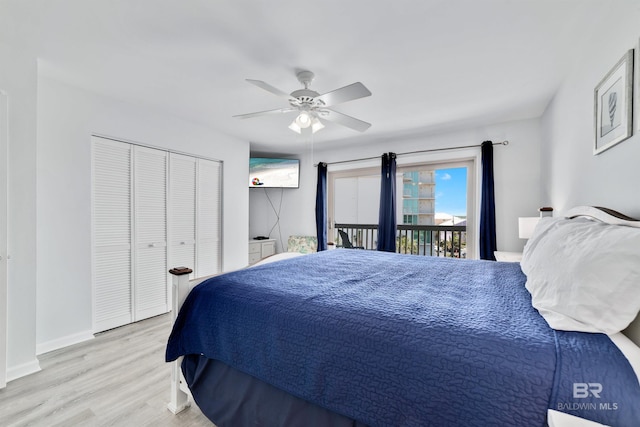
(67, 117)
(572, 175)
(516, 168)
(18, 75)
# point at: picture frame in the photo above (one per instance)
(613, 105)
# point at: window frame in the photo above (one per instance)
(464, 158)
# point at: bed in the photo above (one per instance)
(369, 338)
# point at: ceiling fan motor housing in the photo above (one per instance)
(304, 97)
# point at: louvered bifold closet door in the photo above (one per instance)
(182, 211)
(209, 217)
(112, 229)
(150, 231)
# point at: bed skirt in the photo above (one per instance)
(229, 397)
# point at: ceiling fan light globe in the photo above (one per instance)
(303, 120)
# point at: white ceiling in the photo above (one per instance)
(432, 65)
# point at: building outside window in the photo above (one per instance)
(418, 197)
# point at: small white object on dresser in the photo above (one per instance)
(259, 249)
(508, 256)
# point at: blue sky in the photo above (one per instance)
(451, 191)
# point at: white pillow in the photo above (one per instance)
(584, 275)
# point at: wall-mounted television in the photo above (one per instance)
(265, 172)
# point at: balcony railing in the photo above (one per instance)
(429, 240)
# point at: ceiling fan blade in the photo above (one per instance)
(344, 120)
(273, 90)
(348, 93)
(265, 113)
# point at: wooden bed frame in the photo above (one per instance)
(181, 286)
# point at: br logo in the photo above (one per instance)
(583, 390)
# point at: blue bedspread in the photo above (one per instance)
(390, 339)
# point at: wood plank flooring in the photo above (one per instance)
(117, 379)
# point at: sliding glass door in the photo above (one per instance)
(434, 208)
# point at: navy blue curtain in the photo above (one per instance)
(321, 207)
(488, 205)
(387, 216)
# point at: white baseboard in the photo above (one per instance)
(59, 343)
(15, 372)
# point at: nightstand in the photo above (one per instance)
(259, 249)
(508, 256)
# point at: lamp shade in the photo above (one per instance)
(294, 127)
(316, 125)
(526, 226)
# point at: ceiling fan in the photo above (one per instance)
(311, 106)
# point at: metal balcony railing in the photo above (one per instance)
(429, 240)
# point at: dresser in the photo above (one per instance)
(259, 249)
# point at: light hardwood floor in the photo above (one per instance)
(117, 379)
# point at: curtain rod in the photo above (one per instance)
(505, 142)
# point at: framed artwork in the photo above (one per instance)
(613, 104)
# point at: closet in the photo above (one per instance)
(195, 219)
(152, 210)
